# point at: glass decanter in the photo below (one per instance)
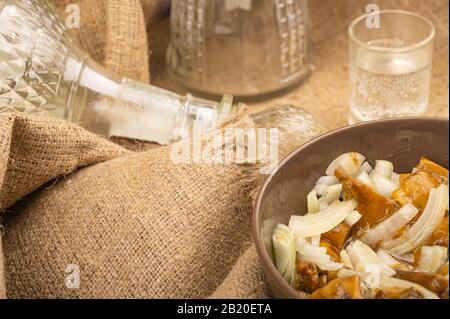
(43, 71)
(251, 49)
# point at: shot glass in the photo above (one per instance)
(390, 65)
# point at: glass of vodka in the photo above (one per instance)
(390, 65)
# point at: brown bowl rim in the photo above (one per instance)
(267, 263)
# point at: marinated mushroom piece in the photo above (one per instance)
(331, 275)
(433, 282)
(372, 206)
(430, 258)
(441, 173)
(415, 188)
(398, 293)
(332, 251)
(444, 269)
(338, 236)
(440, 235)
(307, 278)
(340, 288)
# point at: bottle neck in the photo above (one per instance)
(113, 106)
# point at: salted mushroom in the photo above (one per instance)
(433, 282)
(398, 293)
(340, 288)
(372, 206)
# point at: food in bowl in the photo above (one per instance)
(369, 232)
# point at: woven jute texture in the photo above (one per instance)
(137, 226)
(36, 150)
(114, 33)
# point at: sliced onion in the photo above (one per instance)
(432, 258)
(322, 203)
(315, 258)
(390, 282)
(384, 168)
(429, 220)
(387, 258)
(366, 167)
(364, 259)
(392, 262)
(333, 193)
(331, 266)
(361, 255)
(307, 249)
(345, 259)
(371, 279)
(320, 189)
(284, 251)
(383, 185)
(314, 224)
(349, 162)
(268, 225)
(347, 273)
(396, 179)
(365, 178)
(327, 180)
(313, 203)
(316, 255)
(408, 258)
(315, 240)
(353, 218)
(390, 226)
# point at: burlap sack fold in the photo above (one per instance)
(35, 150)
(137, 226)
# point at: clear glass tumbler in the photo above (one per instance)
(247, 48)
(390, 65)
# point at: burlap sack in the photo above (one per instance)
(52, 149)
(137, 226)
(114, 33)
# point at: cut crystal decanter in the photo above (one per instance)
(43, 71)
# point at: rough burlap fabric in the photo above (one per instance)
(137, 226)
(35, 150)
(114, 33)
